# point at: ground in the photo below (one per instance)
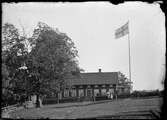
(90, 110)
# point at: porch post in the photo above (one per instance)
(115, 91)
(62, 93)
(100, 90)
(92, 90)
(107, 88)
(69, 92)
(93, 94)
(84, 91)
(77, 92)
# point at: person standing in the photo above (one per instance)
(108, 94)
(111, 95)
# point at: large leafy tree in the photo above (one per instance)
(53, 56)
(13, 56)
(10, 36)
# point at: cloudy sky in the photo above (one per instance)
(92, 27)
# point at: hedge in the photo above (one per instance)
(124, 95)
(145, 93)
(104, 97)
(54, 100)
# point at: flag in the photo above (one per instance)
(122, 31)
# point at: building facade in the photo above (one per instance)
(94, 84)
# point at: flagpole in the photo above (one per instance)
(129, 55)
(120, 32)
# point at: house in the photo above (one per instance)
(94, 84)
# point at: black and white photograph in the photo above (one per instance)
(82, 60)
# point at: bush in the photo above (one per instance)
(146, 93)
(104, 97)
(124, 95)
(53, 100)
(69, 99)
(8, 100)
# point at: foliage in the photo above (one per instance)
(124, 95)
(13, 56)
(52, 57)
(124, 81)
(10, 36)
(5, 74)
(104, 97)
(146, 93)
(122, 78)
(53, 100)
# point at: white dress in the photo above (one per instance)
(111, 96)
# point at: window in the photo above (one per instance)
(96, 92)
(60, 96)
(111, 90)
(73, 92)
(103, 91)
(81, 92)
(66, 93)
(119, 91)
(122, 90)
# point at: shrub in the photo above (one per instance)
(124, 95)
(69, 99)
(104, 97)
(146, 93)
(52, 100)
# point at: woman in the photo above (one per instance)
(111, 95)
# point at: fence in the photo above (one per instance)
(11, 108)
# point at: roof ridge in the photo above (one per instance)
(97, 72)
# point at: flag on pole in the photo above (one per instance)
(120, 32)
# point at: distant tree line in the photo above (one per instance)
(35, 65)
(145, 93)
(141, 93)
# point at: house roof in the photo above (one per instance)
(93, 78)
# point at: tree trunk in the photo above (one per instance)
(37, 102)
(58, 97)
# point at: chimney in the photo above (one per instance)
(99, 70)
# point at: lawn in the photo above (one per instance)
(90, 111)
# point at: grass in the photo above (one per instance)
(87, 111)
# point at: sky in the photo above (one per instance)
(92, 25)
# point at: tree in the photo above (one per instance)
(124, 81)
(10, 36)
(5, 81)
(52, 57)
(13, 55)
(5, 73)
